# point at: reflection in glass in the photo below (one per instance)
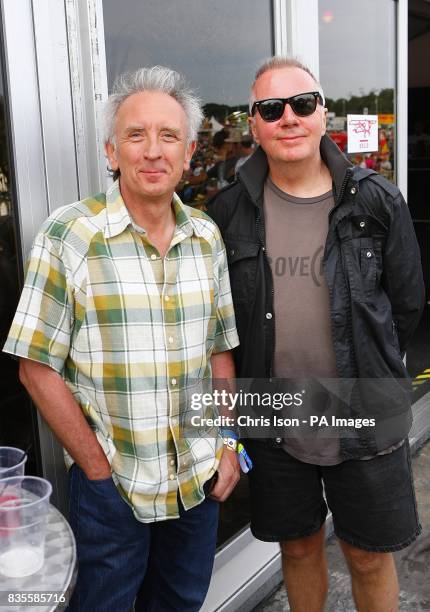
(357, 71)
(218, 47)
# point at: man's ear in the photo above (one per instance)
(251, 122)
(111, 155)
(189, 152)
(324, 119)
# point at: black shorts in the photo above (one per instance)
(372, 501)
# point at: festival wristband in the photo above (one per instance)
(244, 459)
(228, 433)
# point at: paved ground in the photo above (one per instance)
(413, 563)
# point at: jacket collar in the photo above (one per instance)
(118, 218)
(253, 173)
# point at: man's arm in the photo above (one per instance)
(64, 416)
(228, 469)
(402, 278)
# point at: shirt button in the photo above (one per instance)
(172, 462)
(166, 298)
(170, 339)
(172, 477)
(153, 256)
(369, 254)
(362, 223)
(269, 315)
(173, 381)
(353, 190)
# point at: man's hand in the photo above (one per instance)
(229, 468)
(228, 475)
(64, 416)
(99, 472)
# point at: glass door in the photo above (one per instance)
(217, 47)
(18, 424)
(419, 176)
(357, 50)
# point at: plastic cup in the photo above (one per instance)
(12, 462)
(24, 506)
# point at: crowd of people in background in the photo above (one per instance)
(215, 164)
(220, 154)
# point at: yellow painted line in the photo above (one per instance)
(421, 378)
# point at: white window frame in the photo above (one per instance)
(42, 145)
(401, 109)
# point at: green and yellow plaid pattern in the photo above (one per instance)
(130, 332)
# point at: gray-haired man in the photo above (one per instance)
(127, 299)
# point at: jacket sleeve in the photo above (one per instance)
(402, 278)
(218, 208)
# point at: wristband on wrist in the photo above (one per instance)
(244, 459)
(233, 444)
(228, 433)
(230, 443)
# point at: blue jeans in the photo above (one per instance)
(167, 565)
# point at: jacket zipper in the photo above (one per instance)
(342, 191)
(339, 199)
(261, 234)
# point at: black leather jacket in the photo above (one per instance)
(373, 270)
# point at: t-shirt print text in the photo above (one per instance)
(300, 265)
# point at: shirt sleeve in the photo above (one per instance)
(226, 337)
(41, 328)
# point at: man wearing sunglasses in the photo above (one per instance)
(327, 285)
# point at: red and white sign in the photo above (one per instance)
(362, 133)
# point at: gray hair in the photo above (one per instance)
(155, 78)
(282, 61)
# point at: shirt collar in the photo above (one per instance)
(118, 218)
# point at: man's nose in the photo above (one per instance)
(288, 116)
(152, 148)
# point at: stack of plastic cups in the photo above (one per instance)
(12, 461)
(24, 506)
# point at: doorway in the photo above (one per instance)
(18, 426)
(419, 176)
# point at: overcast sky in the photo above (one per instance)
(357, 46)
(218, 44)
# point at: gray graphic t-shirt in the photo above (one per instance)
(296, 232)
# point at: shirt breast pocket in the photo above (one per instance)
(362, 238)
(368, 270)
(242, 265)
(370, 260)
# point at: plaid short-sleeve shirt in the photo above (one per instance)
(130, 332)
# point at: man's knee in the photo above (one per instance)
(363, 562)
(303, 548)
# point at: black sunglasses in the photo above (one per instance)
(303, 105)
